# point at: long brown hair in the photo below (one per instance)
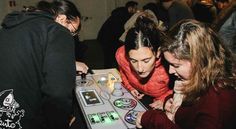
(211, 62)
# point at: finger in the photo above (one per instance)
(138, 126)
(79, 72)
(85, 70)
(133, 93)
(140, 96)
(136, 92)
(171, 100)
(138, 120)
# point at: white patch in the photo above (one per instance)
(10, 112)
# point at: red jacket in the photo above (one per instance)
(157, 85)
(214, 110)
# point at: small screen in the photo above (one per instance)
(90, 98)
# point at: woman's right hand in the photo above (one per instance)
(179, 86)
(136, 94)
(168, 105)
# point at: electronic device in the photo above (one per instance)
(105, 103)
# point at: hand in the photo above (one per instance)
(168, 105)
(158, 104)
(136, 94)
(81, 67)
(170, 115)
(179, 86)
(138, 119)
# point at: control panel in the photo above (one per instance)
(105, 103)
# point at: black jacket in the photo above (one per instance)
(37, 72)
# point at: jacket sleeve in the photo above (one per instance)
(59, 78)
(155, 119)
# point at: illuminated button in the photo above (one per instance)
(113, 115)
(93, 118)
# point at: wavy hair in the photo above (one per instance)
(212, 63)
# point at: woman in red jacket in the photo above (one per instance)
(140, 64)
(207, 69)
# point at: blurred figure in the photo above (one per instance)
(177, 10)
(112, 29)
(204, 11)
(222, 4)
(159, 11)
(228, 31)
(224, 14)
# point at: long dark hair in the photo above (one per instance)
(60, 7)
(143, 34)
(67, 8)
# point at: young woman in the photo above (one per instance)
(140, 64)
(206, 67)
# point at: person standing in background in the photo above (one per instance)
(228, 31)
(225, 24)
(177, 10)
(159, 11)
(112, 29)
(37, 67)
(204, 11)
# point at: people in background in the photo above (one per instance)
(222, 4)
(225, 25)
(177, 10)
(112, 29)
(228, 31)
(206, 67)
(140, 64)
(37, 67)
(159, 11)
(204, 11)
(145, 13)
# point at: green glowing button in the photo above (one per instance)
(104, 117)
(113, 115)
(94, 118)
(119, 103)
